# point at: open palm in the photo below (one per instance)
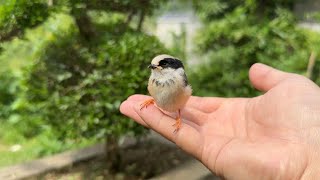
(272, 136)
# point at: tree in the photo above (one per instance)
(72, 63)
(237, 34)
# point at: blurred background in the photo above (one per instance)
(66, 65)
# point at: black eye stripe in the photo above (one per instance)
(163, 62)
(171, 62)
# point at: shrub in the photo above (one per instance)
(67, 65)
(232, 42)
(16, 15)
(77, 93)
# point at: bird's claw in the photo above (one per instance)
(177, 125)
(146, 103)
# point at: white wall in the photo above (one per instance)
(173, 22)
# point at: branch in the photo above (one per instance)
(8, 36)
(312, 60)
(50, 3)
(141, 19)
(130, 16)
(86, 29)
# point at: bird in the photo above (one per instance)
(168, 86)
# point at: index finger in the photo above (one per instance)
(204, 104)
(188, 138)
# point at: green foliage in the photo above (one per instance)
(232, 43)
(46, 143)
(66, 71)
(208, 10)
(8, 88)
(89, 103)
(76, 92)
(16, 15)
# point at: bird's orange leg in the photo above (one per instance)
(146, 103)
(178, 122)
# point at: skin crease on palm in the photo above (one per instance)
(272, 136)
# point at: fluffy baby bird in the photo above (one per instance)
(168, 85)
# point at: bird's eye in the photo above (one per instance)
(163, 62)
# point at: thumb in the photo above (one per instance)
(264, 77)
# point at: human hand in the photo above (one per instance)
(272, 136)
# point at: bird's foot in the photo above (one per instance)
(177, 125)
(146, 103)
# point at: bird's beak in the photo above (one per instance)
(152, 66)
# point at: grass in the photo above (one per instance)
(14, 148)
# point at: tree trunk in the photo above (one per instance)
(261, 9)
(50, 2)
(129, 18)
(311, 64)
(8, 36)
(113, 154)
(84, 24)
(141, 19)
